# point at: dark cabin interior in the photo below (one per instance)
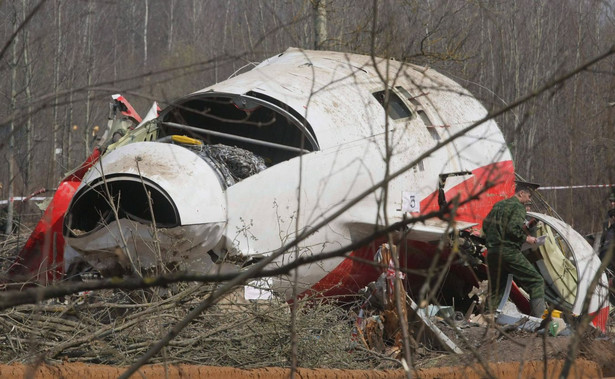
(255, 117)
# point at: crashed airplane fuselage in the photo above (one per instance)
(231, 173)
(318, 122)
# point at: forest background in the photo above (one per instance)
(61, 60)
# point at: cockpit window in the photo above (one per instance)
(396, 108)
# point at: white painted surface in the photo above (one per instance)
(333, 91)
(189, 180)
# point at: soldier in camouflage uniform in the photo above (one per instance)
(504, 232)
(607, 222)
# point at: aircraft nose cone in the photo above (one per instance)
(150, 202)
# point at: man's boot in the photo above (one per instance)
(537, 307)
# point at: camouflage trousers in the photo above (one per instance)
(508, 261)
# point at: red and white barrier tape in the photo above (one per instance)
(580, 186)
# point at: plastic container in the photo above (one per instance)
(556, 326)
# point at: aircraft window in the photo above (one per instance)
(396, 107)
(420, 111)
(434, 134)
(306, 125)
(419, 166)
(409, 97)
(424, 117)
(417, 105)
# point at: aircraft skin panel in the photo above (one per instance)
(200, 207)
(345, 276)
(336, 98)
(260, 238)
(342, 177)
(41, 257)
(183, 247)
(338, 115)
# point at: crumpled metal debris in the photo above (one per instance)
(233, 163)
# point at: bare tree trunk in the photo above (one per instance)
(573, 115)
(170, 39)
(483, 52)
(533, 126)
(339, 44)
(69, 122)
(320, 24)
(260, 12)
(133, 33)
(11, 150)
(145, 33)
(248, 31)
(115, 58)
(87, 42)
(56, 84)
(28, 80)
(226, 26)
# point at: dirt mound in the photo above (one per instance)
(601, 351)
(535, 369)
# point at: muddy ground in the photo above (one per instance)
(493, 345)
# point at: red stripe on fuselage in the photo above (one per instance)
(495, 181)
(490, 183)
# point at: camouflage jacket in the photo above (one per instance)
(503, 226)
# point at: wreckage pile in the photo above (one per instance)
(116, 327)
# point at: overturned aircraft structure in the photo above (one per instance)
(229, 174)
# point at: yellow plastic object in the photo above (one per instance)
(185, 140)
(554, 313)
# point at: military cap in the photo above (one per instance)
(528, 186)
(611, 196)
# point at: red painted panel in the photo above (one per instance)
(130, 111)
(496, 182)
(600, 318)
(41, 258)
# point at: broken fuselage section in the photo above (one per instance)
(311, 131)
(231, 173)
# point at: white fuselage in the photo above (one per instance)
(357, 146)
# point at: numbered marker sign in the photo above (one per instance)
(410, 202)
